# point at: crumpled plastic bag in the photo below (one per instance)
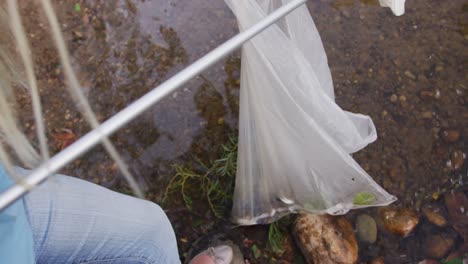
(294, 140)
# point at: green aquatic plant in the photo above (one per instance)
(276, 237)
(181, 181)
(214, 182)
(277, 234)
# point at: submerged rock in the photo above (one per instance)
(398, 221)
(457, 204)
(326, 239)
(366, 228)
(378, 260)
(434, 216)
(437, 246)
(451, 136)
(410, 75)
(426, 95)
(426, 115)
(461, 251)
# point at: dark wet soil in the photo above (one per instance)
(408, 73)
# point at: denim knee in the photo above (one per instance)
(159, 233)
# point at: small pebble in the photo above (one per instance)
(410, 75)
(393, 98)
(457, 160)
(78, 34)
(451, 136)
(426, 94)
(434, 216)
(426, 115)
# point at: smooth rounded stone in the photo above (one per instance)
(398, 221)
(451, 136)
(325, 239)
(410, 75)
(439, 68)
(366, 228)
(378, 260)
(437, 246)
(434, 216)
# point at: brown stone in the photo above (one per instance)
(426, 115)
(457, 204)
(410, 75)
(378, 260)
(395, 171)
(398, 221)
(434, 216)
(451, 136)
(457, 160)
(426, 94)
(437, 246)
(326, 239)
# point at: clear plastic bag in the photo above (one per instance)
(294, 140)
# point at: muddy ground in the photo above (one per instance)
(408, 73)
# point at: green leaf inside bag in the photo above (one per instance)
(364, 198)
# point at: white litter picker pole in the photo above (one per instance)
(108, 127)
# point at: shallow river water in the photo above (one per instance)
(408, 73)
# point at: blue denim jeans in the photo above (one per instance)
(74, 221)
